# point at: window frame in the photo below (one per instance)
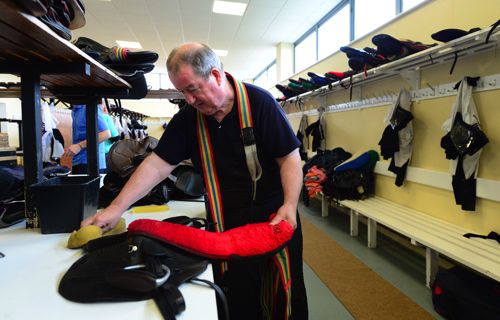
(266, 70)
(398, 5)
(314, 29)
(330, 15)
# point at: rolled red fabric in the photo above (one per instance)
(251, 240)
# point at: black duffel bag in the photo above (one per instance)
(461, 294)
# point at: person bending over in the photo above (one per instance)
(249, 192)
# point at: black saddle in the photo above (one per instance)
(131, 268)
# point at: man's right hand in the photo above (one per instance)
(72, 150)
(106, 219)
(150, 172)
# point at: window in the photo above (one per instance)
(408, 4)
(324, 38)
(347, 21)
(334, 33)
(261, 79)
(305, 52)
(156, 81)
(272, 77)
(153, 80)
(370, 15)
(165, 81)
(267, 78)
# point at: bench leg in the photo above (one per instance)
(324, 206)
(431, 265)
(372, 233)
(354, 222)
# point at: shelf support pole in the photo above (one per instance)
(32, 139)
(92, 136)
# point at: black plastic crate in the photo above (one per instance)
(63, 202)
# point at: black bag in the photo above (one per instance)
(123, 159)
(354, 184)
(113, 184)
(131, 268)
(185, 182)
(458, 293)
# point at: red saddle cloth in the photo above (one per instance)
(251, 240)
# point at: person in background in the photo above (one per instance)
(115, 136)
(211, 98)
(77, 150)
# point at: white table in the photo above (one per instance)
(34, 263)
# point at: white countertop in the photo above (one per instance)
(34, 263)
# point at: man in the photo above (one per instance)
(214, 106)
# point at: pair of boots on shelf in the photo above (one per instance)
(61, 16)
(388, 49)
(129, 65)
(315, 81)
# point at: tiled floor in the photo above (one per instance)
(402, 266)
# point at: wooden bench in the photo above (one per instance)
(437, 236)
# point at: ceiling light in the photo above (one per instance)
(220, 53)
(227, 7)
(129, 44)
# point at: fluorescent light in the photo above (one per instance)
(129, 44)
(227, 7)
(220, 53)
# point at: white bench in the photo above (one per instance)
(437, 236)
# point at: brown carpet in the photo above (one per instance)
(362, 291)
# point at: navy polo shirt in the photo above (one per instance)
(274, 136)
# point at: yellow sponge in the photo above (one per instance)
(79, 238)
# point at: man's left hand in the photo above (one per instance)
(287, 213)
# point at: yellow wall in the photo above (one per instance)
(12, 111)
(155, 126)
(360, 130)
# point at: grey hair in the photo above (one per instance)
(200, 57)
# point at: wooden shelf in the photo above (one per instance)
(44, 61)
(27, 42)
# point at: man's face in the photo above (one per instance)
(206, 95)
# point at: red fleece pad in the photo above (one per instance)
(250, 240)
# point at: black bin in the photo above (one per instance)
(63, 202)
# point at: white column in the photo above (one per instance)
(284, 60)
